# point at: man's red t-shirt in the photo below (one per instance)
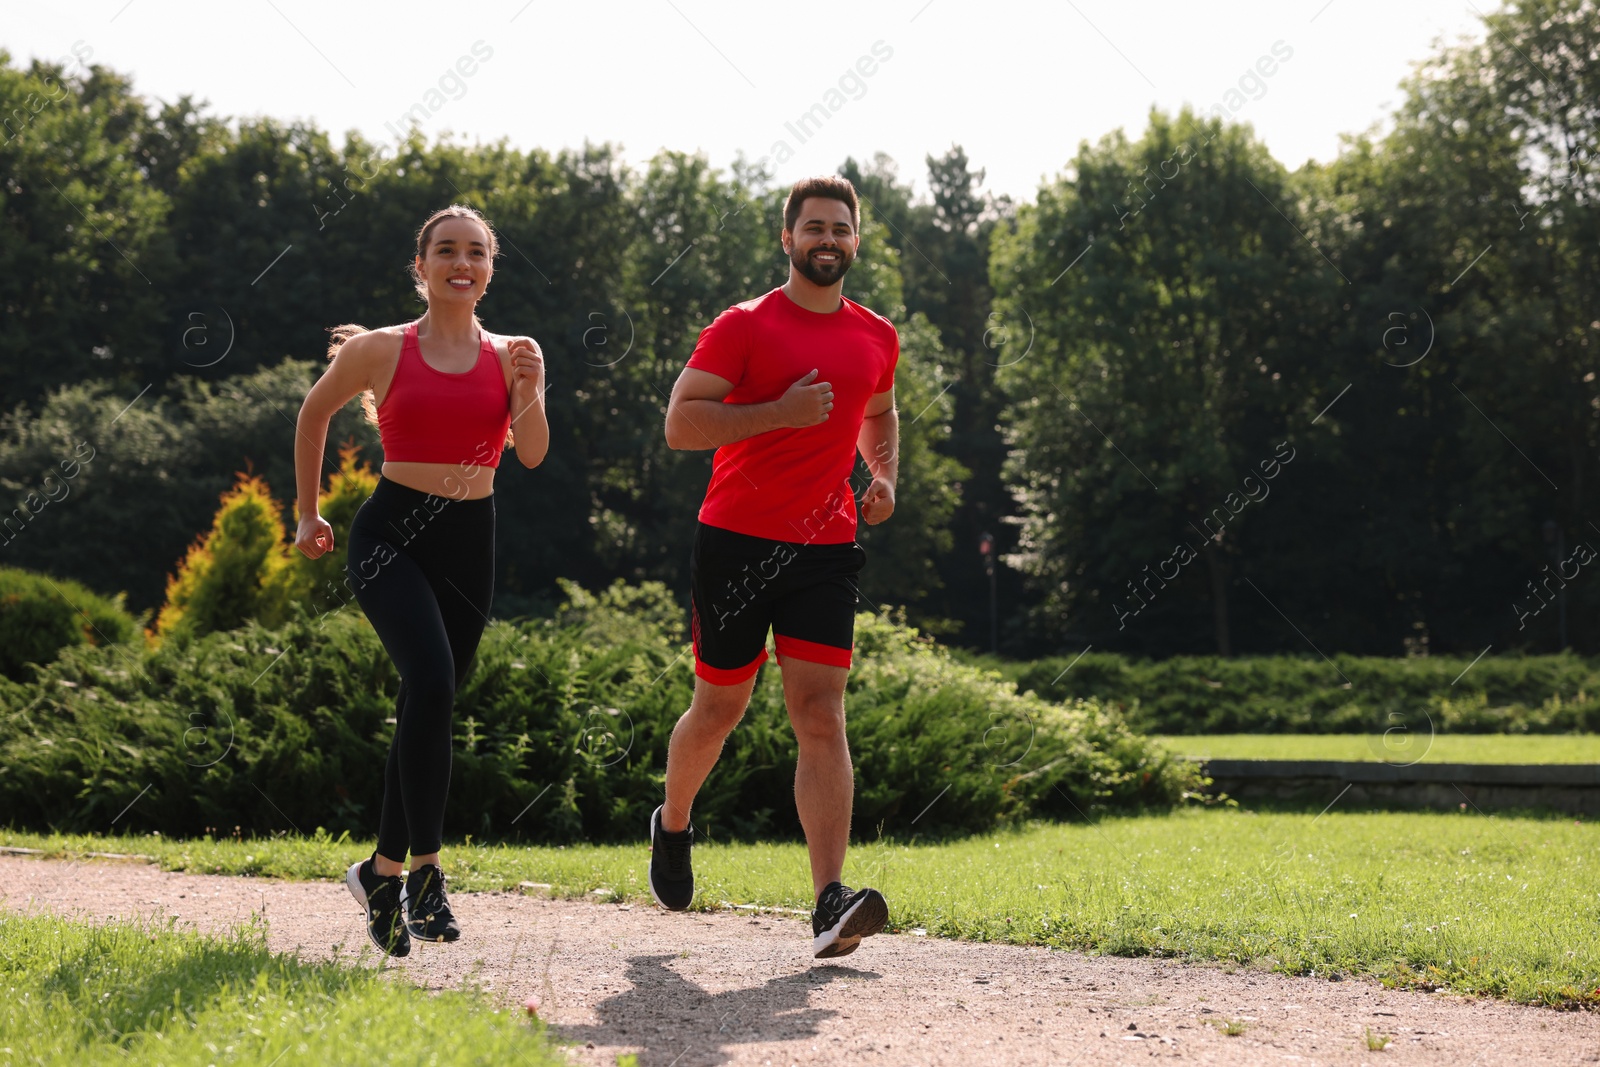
(793, 484)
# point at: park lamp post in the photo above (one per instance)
(986, 550)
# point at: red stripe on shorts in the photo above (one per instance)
(812, 652)
(718, 676)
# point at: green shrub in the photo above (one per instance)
(1356, 694)
(320, 582)
(40, 615)
(245, 569)
(235, 572)
(561, 733)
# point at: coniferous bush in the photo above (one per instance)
(235, 572)
(560, 735)
(246, 568)
(320, 582)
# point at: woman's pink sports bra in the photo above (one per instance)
(428, 416)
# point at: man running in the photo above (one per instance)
(787, 388)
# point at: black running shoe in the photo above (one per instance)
(428, 915)
(843, 917)
(671, 875)
(380, 897)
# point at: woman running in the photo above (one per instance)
(448, 398)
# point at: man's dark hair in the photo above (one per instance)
(827, 186)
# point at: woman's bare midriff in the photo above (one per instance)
(456, 481)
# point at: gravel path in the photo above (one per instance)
(691, 990)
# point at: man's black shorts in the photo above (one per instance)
(742, 586)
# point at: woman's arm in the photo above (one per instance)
(350, 373)
(528, 423)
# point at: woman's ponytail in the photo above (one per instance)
(337, 336)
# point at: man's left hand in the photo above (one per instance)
(877, 503)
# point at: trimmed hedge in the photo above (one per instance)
(1357, 694)
(40, 616)
(561, 732)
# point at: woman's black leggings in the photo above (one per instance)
(422, 567)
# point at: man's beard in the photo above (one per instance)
(822, 274)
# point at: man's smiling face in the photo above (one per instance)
(823, 243)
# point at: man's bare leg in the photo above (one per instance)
(824, 784)
(697, 743)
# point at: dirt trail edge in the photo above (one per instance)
(691, 990)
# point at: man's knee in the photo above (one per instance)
(719, 715)
(818, 717)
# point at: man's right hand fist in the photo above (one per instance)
(807, 402)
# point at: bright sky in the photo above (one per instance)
(1018, 84)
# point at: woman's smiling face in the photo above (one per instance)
(458, 262)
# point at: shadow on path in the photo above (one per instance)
(679, 1024)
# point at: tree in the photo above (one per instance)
(1090, 377)
(85, 253)
(929, 490)
(1468, 232)
(1170, 350)
(942, 243)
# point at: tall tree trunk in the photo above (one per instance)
(1217, 563)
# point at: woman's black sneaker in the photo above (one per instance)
(380, 897)
(428, 914)
(843, 917)
(671, 875)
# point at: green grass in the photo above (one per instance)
(76, 993)
(1395, 748)
(1504, 906)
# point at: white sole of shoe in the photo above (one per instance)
(352, 881)
(864, 918)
